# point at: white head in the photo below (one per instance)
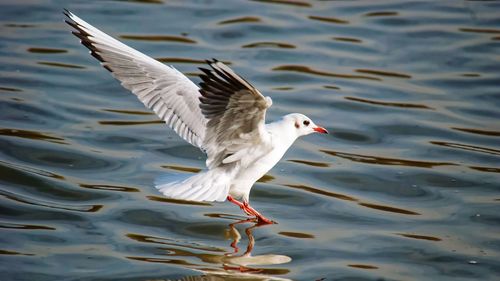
(303, 125)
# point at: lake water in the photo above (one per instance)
(406, 186)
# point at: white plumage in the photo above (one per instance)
(225, 117)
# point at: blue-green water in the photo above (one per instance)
(406, 186)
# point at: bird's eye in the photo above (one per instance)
(306, 122)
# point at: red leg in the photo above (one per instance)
(238, 203)
(258, 215)
(249, 210)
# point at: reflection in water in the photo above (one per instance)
(381, 14)
(311, 163)
(383, 73)
(7, 89)
(269, 44)
(389, 209)
(143, 1)
(385, 161)
(236, 263)
(5, 252)
(9, 168)
(177, 60)
(52, 205)
(285, 88)
(31, 135)
(347, 39)
(130, 123)
(129, 112)
(8, 225)
(479, 30)
(331, 87)
(322, 192)
(286, 2)
(46, 50)
(467, 147)
(296, 234)
(363, 266)
(421, 237)
(393, 104)
(167, 38)
(471, 75)
(109, 187)
(478, 131)
(58, 64)
(18, 25)
(308, 70)
(486, 169)
(349, 198)
(329, 20)
(240, 20)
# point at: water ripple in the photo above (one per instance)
(286, 2)
(155, 38)
(59, 64)
(240, 20)
(308, 70)
(467, 147)
(328, 19)
(8, 225)
(420, 237)
(52, 205)
(46, 50)
(269, 44)
(33, 135)
(392, 104)
(478, 131)
(388, 209)
(322, 192)
(369, 159)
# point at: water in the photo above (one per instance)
(406, 186)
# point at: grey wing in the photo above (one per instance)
(170, 94)
(236, 112)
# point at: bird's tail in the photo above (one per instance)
(212, 185)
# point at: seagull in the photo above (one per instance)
(224, 116)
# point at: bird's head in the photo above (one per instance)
(303, 125)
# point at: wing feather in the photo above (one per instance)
(236, 115)
(170, 94)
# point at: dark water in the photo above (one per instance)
(405, 188)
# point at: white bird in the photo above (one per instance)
(224, 117)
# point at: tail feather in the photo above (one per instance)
(212, 185)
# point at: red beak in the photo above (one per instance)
(320, 130)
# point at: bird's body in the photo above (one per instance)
(224, 117)
(239, 177)
(245, 177)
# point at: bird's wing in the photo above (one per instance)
(236, 112)
(170, 94)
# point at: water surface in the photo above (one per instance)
(406, 186)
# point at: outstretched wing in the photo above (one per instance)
(236, 112)
(170, 94)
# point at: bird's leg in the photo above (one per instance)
(249, 210)
(239, 204)
(252, 211)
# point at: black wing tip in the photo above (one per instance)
(68, 14)
(211, 62)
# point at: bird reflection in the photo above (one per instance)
(242, 262)
(237, 263)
